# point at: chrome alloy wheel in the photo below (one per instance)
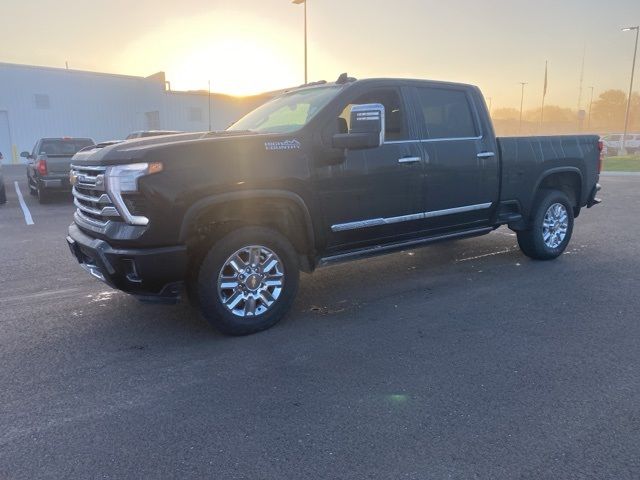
(555, 225)
(251, 281)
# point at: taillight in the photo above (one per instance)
(41, 166)
(601, 156)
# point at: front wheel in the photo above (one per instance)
(247, 281)
(551, 226)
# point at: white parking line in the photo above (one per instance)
(25, 209)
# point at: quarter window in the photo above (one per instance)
(446, 113)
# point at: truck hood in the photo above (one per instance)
(147, 149)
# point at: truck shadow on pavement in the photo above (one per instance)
(330, 293)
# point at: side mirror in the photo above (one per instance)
(25, 154)
(367, 128)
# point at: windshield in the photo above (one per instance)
(288, 112)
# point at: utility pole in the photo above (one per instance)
(590, 105)
(298, 2)
(490, 101)
(521, 103)
(633, 69)
(209, 103)
(544, 92)
(580, 110)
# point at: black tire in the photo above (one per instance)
(3, 194)
(43, 195)
(531, 241)
(215, 264)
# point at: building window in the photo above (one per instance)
(153, 120)
(195, 114)
(42, 101)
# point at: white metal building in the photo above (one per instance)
(40, 102)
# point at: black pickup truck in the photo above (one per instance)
(323, 173)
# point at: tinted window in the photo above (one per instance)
(63, 147)
(395, 122)
(447, 113)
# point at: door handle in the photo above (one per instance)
(486, 155)
(409, 160)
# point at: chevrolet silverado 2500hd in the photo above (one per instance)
(323, 173)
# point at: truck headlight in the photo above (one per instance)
(124, 179)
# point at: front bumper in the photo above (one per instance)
(150, 273)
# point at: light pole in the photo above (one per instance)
(633, 68)
(209, 103)
(298, 2)
(521, 102)
(590, 105)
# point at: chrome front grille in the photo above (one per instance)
(89, 195)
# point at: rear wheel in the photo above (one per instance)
(247, 281)
(43, 195)
(32, 188)
(551, 226)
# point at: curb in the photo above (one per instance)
(620, 174)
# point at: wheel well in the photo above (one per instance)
(282, 215)
(567, 182)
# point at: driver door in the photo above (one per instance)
(373, 196)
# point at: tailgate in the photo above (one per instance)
(59, 164)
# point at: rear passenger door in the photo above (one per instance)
(461, 162)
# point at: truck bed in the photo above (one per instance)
(527, 160)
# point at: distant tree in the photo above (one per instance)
(609, 109)
(506, 114)
(607, 115)
(634, 113)
(552, 114)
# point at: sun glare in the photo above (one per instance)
(240, 56)
(237, 66)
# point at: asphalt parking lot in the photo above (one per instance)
(461, 360)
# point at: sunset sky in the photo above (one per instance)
(249, 46)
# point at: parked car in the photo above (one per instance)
(613, 143)
(3, 192)
(49, 162)
(319, 175)
(151, 133)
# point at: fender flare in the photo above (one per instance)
(204, 203)
(553, 171)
